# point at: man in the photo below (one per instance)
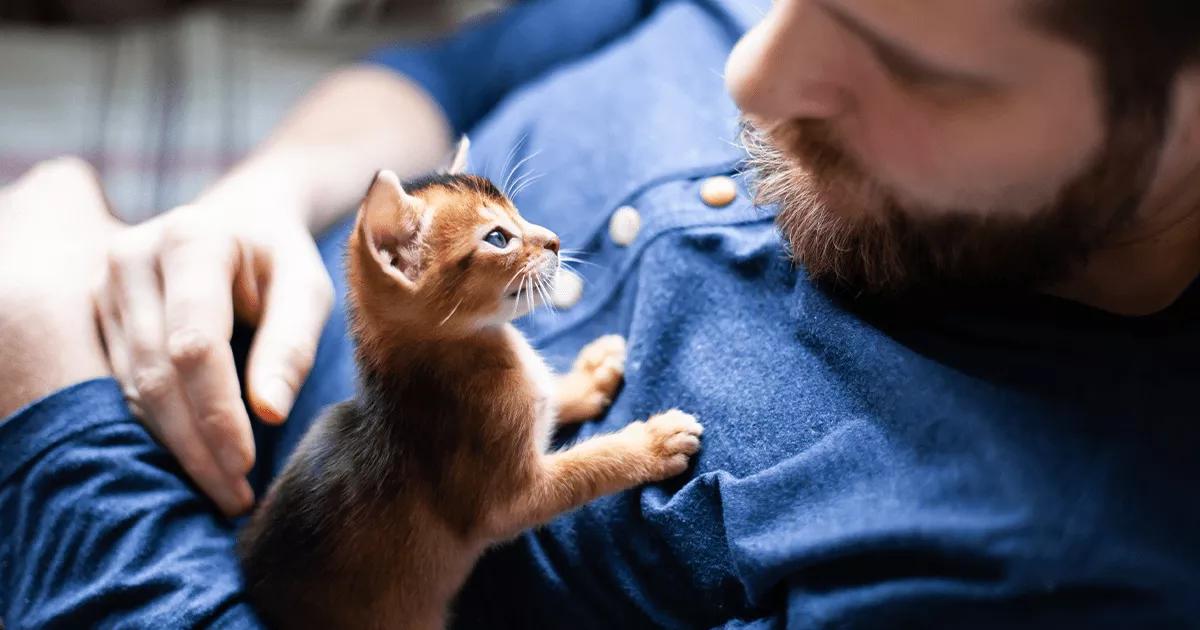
(972, 403)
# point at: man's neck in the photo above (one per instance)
(1145, 268)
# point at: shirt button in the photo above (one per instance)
(568, 288)
(718, 192)
(624, 225)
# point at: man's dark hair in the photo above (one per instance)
(1141, 45)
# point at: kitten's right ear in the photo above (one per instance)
(390, 221)
(458, 164)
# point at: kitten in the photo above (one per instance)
(391, 497)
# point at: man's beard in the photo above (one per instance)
(849, 230)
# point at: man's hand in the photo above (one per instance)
(167, 308)
(244, 248)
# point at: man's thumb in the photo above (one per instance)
(297, 306)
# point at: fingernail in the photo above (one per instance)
(275, 399)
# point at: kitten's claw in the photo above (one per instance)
(671, 438)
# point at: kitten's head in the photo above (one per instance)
(449, 252)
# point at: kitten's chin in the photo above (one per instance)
(516, 307)
(513, 309)
(529, 297)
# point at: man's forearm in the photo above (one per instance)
(319, 160)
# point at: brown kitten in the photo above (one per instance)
(391, 497)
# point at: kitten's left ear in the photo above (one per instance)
(391, 221)
(459, 164)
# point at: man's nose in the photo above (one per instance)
(789, 66)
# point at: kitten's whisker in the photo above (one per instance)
(572, 259)
(529, 293)
(520, 292)
(520, 181)
(512, 153)
(510, 281)
(542, 290)
(523, 180)
(549, 289)
(516, 300)
(452, 312)
(517, 187)
(573, 256)
(525, 183)
(515, 168)
(532, 298)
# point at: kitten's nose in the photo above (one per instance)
(545, 238)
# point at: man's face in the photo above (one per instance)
(933, 143)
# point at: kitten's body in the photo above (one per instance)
(438, 484)
(391, 497)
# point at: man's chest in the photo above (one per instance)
(831, 438)
(836, 444)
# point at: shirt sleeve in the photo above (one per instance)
(472, 70)
(101, 528)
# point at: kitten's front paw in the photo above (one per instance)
(670, 439)
(603, 362)
(594, 379)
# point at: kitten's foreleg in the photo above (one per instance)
(641, 452)
(586, 391)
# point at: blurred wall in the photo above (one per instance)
(162, 106)
(112, 11)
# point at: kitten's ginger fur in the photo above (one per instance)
(391, 497)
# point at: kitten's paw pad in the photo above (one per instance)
(673, 437)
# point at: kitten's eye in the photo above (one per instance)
(496, 239)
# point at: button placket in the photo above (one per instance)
(632, 226)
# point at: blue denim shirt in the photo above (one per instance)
(977, 461)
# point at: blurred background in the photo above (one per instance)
(162, 96)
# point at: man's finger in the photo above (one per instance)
(198, 311)
(298, 299)
(154, 385)
(109, 324)
(231, 494)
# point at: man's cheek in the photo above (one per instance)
(958, 165)
(924, 158)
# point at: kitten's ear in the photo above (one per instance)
(459, 164)
(390, 220)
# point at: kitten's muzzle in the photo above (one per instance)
(540, 236)
(548, 266)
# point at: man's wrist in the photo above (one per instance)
(276, 182)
